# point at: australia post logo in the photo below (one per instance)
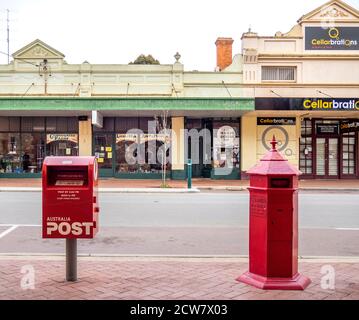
(67, 228)
(334, 104)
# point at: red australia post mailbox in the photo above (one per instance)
(70, 197)
(273, 238)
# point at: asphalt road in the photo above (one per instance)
(183, 224)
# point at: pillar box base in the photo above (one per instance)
(298, 282)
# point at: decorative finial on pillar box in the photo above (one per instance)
(274, 144)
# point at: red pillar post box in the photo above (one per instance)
(70, 197)
(273, 239)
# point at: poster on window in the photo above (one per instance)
(126, 137)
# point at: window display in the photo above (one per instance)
(25, 141)
(226, 144)
(125, 146)
(142, 153)
(10, 153)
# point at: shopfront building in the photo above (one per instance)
(325, 131)
(168, 133)
(306, 92)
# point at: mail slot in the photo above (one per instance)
(280, 183)
(70, 197)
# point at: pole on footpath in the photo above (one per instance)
(189, 174)
(71, 260)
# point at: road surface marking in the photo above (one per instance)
(347, 229)
(6, 232)
(20, 225)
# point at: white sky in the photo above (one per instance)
(117, 31)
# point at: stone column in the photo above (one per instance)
(85, 138)
(178, 152)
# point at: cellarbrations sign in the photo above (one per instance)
(335, 38)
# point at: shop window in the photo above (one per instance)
(141, 152)
(32, 124)
(306, 147)
(103, 150)
(62, 144)
(25, 141)
(72, 124)
(33, 152)
(348, 143)
(10, 153)
(226, 143)
(4, 124)
(51, 124)
(279, 73)
(123, 125)
(14, 124)
(62, 124)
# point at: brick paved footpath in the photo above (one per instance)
(164, 279)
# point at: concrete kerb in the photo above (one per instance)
(197, 189)
(165, 258)
(112, 190)
(240, 189)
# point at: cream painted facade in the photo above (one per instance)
(25, 77)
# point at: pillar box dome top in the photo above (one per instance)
(273, 163)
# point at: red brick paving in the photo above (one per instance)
(201, 183)
(172, 279)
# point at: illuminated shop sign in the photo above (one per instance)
(335, 38)
(333, 104)
(276, 121)
(308, 104)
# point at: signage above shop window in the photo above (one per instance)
(327, 128)
(276, 121)
(352, 126)
(308, 104)
(335, 38)
(62, 137)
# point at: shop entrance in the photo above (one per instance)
(196, 146)
(103, 150)
(329, 149)
(327, 158)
